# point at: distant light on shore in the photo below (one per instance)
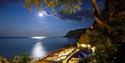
(37, 37)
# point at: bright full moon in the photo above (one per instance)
(40, 14)
(43, 13)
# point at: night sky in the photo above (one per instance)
(16, 20)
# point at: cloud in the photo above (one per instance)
(10, 1)
(79, 16)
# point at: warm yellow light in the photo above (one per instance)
(93, 49)
(83, 45)
(89, 46)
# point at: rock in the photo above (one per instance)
(75, 33)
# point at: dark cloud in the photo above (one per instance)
(5, 3)
(10, 1)
(85, 12)
(79, 16)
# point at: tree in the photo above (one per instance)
(23, 58)
(98, 39)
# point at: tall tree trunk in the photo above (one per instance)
(100, 21)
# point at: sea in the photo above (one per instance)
(35, 47)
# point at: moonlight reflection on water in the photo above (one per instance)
(38, 49)
(36, 46)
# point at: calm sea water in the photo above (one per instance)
(10, 46)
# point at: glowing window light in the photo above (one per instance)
(93, 49)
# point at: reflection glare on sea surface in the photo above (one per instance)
(37, 37)
(38, 49)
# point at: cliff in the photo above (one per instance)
(75, 33)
